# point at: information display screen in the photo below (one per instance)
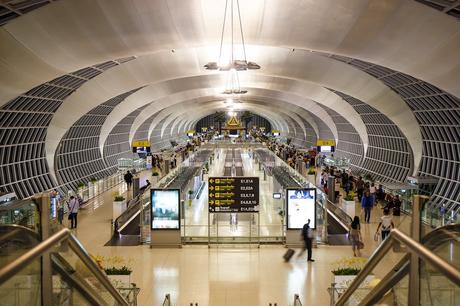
(277, 195)
(326, 149)
(301, 206)
(233, 194)
(165, 209)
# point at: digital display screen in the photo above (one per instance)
(165, 209)
(277, 195)
(141, 150)
(276, 134)
(326, 149)
(301, 206)
(190, 134)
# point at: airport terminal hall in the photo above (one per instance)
(229, 152)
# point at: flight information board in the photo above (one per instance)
(233, 194)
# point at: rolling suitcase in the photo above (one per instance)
(287, 256)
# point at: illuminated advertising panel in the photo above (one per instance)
(301, 206)
(165, 209)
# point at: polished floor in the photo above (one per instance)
(225, 275)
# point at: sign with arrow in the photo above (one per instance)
(233, 194)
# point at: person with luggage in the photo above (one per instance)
(307, 234)
(386, 224)
(74, 206)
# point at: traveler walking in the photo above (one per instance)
(354, 235)
(386, 224)
(74, 206)
(128, 179)
(307, 234)
(360, 188)
(366, 204)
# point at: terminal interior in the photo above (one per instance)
(197, 138)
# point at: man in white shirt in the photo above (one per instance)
(74, 206)
(386, 224)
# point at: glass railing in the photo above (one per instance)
(59, 271)
(97, 187)
(438, 277)
(321, 198)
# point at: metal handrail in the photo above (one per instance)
(47, 245)
(414, 247)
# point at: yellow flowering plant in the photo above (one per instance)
(349, 265)
(114, 265)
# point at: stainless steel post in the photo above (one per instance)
(46, 273)
(414, 272)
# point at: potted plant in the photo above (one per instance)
(119, 205)
(80, 187)
(311, 175)
(155, 176)
(349, 199)
(346, 269)
(190, 197)
(117, 268)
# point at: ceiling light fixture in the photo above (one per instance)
(224, 64)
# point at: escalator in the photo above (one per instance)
(127, 227)
(56, 271)
(438, 279)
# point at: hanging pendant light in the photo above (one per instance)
(232, 63)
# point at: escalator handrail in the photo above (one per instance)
(414, 247)
(49, 244)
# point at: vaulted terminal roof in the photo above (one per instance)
(381, 77)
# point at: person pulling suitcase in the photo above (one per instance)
(307, 234)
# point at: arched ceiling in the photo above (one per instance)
(402, 35)
(173, 39)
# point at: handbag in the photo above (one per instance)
(69, 217)
(376, 236)
(360, 245)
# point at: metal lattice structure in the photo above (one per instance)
(23, 125)
(438, 115)
(79, 158)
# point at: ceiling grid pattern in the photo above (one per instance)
(388, 155)
(117, 144)
(24, 123)
(438, 115)
(79, 158)
(349, 143)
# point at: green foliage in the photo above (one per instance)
(93, 180)
(349, 266)
(368, 177)
(190, 192)
(346, 271)
(311, 171)
(350, 197)
(155, 173)
(118, 271)
(81, 185)
(119, 198)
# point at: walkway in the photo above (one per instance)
(234, 275)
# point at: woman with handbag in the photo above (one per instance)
(355, 237)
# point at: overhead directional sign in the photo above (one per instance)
(233, 194)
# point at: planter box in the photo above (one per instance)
(118, 208)
(345, 202)
(344, 281)
(120, 281)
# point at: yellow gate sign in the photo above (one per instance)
(141, 143)
(325, 142)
